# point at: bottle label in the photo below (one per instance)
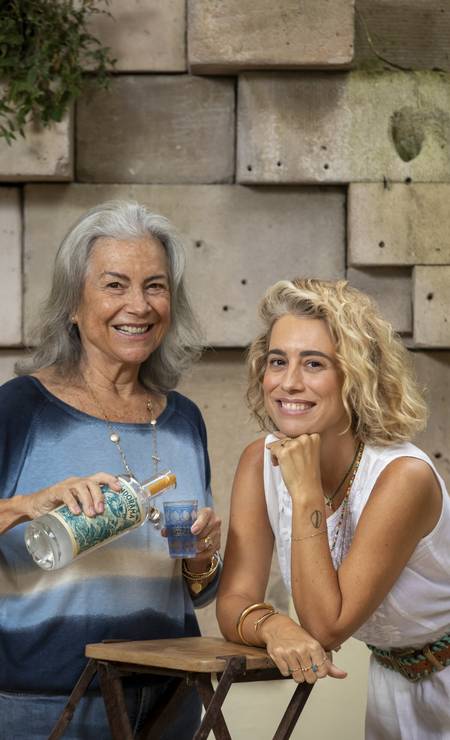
(122, 511)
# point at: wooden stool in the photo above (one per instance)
(191, 660)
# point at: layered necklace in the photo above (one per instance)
(114, 435)
(343, 516)
(329, 499)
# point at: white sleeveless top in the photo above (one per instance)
(417, 609)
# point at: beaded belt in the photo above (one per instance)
(415, 663)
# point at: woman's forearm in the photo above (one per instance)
(229, 609)
(315, 585)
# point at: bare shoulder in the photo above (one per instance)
(410, 482)
(253, 455)
(411, 470)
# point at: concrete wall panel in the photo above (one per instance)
(44, 154)
(230, 35)
(319, 128)
(239, 241)
(144, 35)
(432, 306)
(433, 372)
(10, 267)
(410, 33)
(391, 289)
(398, 225)
(157, 129)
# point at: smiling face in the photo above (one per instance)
(302, 382)
(124, 311)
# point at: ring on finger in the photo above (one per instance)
(207, 541)
(314, 667)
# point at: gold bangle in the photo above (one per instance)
(191, 576)
(264, 617)
(244, 613)
(316, 534)
(195, 580)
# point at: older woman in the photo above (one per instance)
(97, 400)
(360, 516)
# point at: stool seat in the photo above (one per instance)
(194, 654)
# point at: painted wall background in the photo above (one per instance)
(298, 138)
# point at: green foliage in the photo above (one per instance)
(45, 50)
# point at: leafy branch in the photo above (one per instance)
(45, 50)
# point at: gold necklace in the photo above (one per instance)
(114, 435)
(329, 499)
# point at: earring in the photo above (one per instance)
(73, 319)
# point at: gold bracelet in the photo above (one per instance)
(244, 613)
(264, 617)
(316, 534)
(195, 578)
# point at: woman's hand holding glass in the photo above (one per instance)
(207, 529)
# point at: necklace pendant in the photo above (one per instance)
(114, 437)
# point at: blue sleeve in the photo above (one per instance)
(209, 593)
(192, 411)
(20, 402)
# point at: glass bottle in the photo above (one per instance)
(57, 538)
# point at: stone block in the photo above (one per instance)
(44, 154)
(432, 306)
(338, 128)
(409, 33)
(218, 385)
(433, 372)
(162, 128)
(229, 35)
(144, 35)
(239, 241)
(398, 225)
(10, 267)
(390, 287)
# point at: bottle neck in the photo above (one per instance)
(162, 482)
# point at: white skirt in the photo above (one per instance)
(398, 709)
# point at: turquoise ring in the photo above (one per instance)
(314, 667)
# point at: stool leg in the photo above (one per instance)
(116, 710)
(78, 691)
(235, 667)
(293, 711)
(205, 689)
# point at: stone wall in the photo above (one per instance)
(306, 137)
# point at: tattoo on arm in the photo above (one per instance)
(316, 519)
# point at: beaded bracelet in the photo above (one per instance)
(244, 613)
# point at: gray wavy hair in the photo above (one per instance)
(58, 341)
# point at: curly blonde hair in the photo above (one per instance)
(379, 390)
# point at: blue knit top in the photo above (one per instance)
(129, 589)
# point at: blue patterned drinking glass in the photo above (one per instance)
(179, 517)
